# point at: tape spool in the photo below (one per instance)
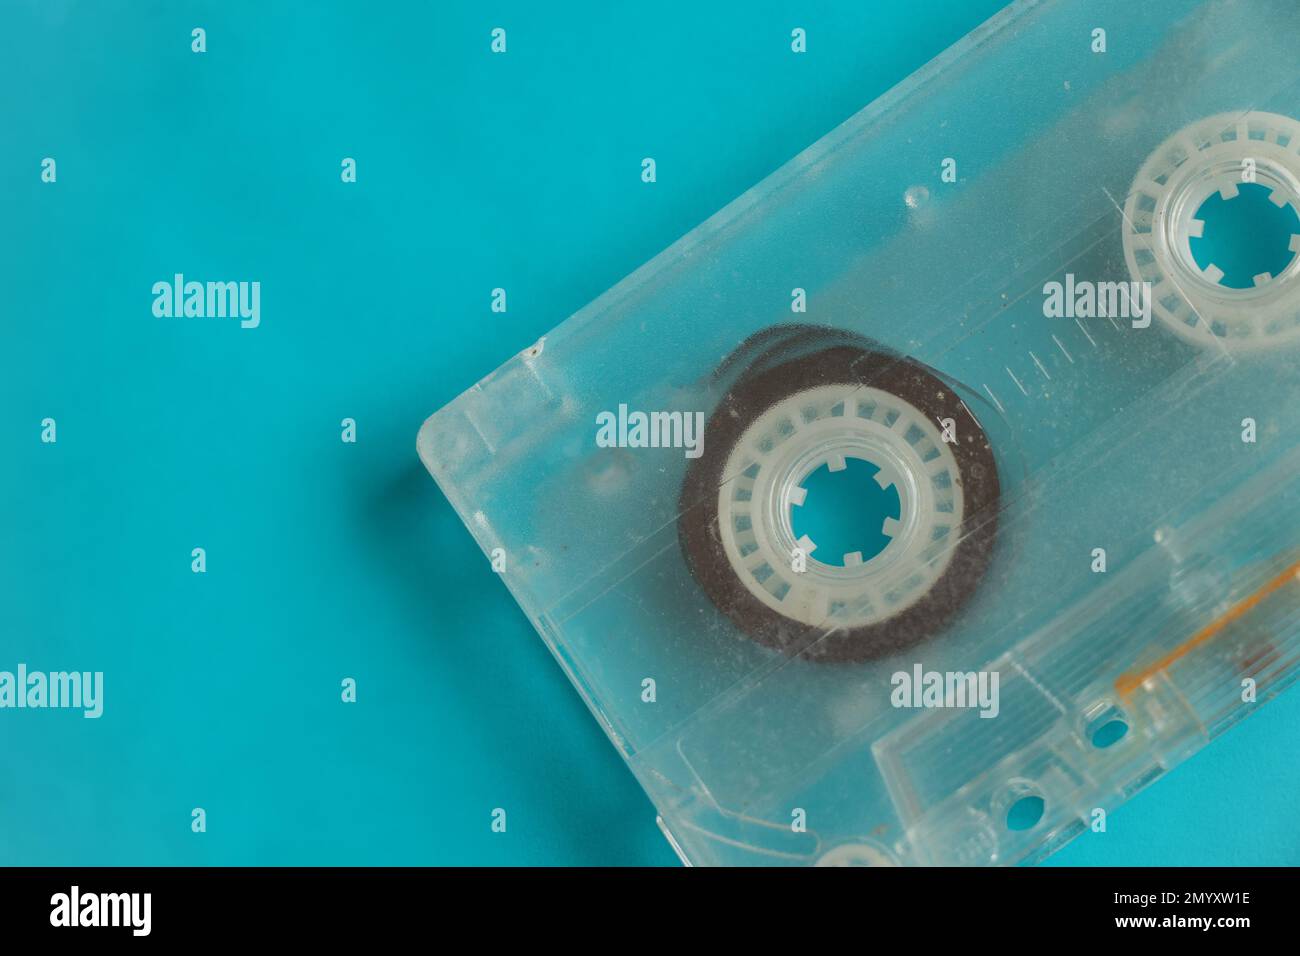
(1214, 155)
(810, 398)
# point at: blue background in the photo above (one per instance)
(329, 560)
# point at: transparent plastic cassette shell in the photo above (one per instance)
(1106, 436)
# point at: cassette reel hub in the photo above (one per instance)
(824, 426)
(781, 423)
(1215, 155)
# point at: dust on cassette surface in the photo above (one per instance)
(814, 399)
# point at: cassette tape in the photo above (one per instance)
(942, 490)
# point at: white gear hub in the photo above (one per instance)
(1160, 220)
(763, 479)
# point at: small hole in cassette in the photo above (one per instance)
(1020, 805)
(1026, 812)
(1107, 728)
(1109, 734)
